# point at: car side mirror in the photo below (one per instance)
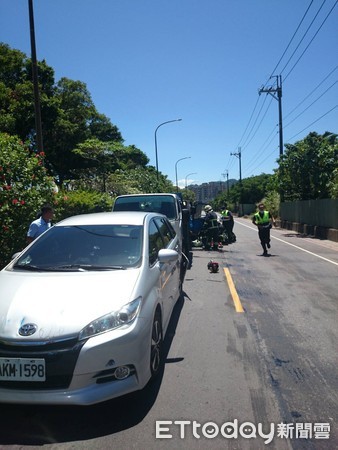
(166, 255)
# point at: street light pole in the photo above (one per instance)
(181, 159)
(186, 177)
(168, 121)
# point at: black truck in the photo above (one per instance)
(172, 206)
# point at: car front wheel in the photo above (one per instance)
(156, 345)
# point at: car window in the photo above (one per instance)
(91, 245)
(164, 204)
(166, 230)
(155, 242)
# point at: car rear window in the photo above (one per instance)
(164, 204)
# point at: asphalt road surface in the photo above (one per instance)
(250, 362)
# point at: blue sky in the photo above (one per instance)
(146, 62)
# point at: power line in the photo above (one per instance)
(310, 125)
(287, 47)
(327, 16)
(307, 30)
(315, 101)
(285, 117)
(249, 121)
(253, 125)
(271, 89)
(260, 123)
(263, 147)
(267, 157)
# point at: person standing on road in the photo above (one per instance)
(210, 229)
(41, 224)
(263, 220)
(228, 223)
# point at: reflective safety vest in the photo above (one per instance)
(262, 220)
(213, 223)
(225, 215)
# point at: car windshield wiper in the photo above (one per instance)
(85, 267)
(67, 267)
(28, 267)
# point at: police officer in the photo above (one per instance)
(263, 220)
(210, 229)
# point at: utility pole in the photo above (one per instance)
(38, 125)
(272, 91)
(227, 175)
(239, 156)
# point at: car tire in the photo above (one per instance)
(156, 345)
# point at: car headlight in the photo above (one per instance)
(114, 319)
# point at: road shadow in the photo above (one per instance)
(39, 425)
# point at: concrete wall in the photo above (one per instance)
(314, 217)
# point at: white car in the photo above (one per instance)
(85, 307)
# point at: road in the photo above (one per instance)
(260, 351)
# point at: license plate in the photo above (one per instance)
(22, 369)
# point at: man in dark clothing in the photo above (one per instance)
(263, 220)
(228, 224)
(210, 229)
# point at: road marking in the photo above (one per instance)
(293, 245)
(233, 292)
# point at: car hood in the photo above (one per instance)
(60, 304)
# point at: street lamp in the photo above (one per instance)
(187, 157)
(168, 121)
(186, 178)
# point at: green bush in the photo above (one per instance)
(72, 203)
(24, 188)
(272, 203)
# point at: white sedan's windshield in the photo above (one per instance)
(85, 247)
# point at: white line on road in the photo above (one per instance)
(292, 245)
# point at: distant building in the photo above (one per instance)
(206, 192)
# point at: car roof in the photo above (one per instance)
(109, 218)
(150, 195)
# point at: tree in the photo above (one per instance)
(252, 191)
(138, 180)
(98, 161)
(77, 121)
(69, 116)
(130, 157)
(333, 184)
(102, 159)
(17, 93)
(307, 169)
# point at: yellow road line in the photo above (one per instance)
(234, 295)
